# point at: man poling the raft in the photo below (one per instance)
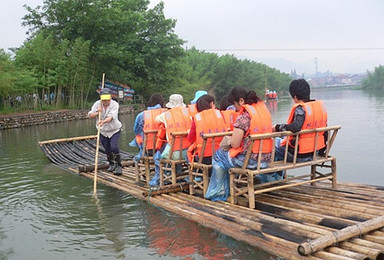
(110, 128)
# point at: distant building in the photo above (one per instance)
(119, 90)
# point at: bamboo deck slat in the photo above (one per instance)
(281, 220)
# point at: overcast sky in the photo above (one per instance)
(339, 33)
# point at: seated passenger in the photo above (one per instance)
(145, 121)
(176, 119)
(229, 112)
(305, 114)
(254, 118)
(192, 107)
(207, 120)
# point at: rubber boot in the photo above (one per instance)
(118, 170)
(112, 164)
(155, 181)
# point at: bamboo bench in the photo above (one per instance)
(145, 167)
(242, 179)
(199, 171)
(168, 166)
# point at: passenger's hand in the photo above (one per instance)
(225, 144)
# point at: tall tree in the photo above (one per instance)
(128, 42)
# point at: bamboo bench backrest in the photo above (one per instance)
(332, 132)
(216, 137)
(176, 136)
(145, 141)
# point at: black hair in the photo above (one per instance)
(155, 99)
(300, 88)
(204, 102)
(224, 103)
(250, 97)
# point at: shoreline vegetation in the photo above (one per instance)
(31, 118)
(60, 65)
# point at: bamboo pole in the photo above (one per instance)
(97, 144)
(332, 200)
(375, 198)
(67, 139)
(271, 244)
(88, 168)
(341, 235)
(372, 253)
(346, 253)
(322, 209)
(285, 226)
(167, 189)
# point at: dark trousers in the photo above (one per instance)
(111, 145)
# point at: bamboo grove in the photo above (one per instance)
(71, 43)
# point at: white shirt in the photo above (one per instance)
(108, 129)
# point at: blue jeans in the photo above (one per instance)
(218, 188)
(156, 158)
(279, 156)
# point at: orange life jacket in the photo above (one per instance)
(151, 124)
(230, 118)
(207, 122)
(177, 119)
(192, 110)
(160, 137)
(261, 123)
(315, 116)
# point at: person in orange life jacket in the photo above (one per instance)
(254, 118)
(174, 120)
(305, 114)
(207, 120)
(192, 107)
(229, 112)
(110, 128)
(155, 106)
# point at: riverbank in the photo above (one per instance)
(16, 120)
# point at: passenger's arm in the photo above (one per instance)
(296, 125)
(237, 137)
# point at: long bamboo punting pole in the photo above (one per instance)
(97, 144)
(341, 235)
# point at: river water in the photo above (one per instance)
(50, 213)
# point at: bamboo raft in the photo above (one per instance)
(305, 222)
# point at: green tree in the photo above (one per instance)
(127, 41)
(6, 76)
(375, 79)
